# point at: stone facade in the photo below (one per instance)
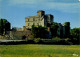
(17, 35)
(19, 29)
(40, 19)
(64, 29)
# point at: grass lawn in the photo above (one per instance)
(35, 50)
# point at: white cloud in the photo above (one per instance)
(65, 7)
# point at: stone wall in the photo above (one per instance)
(17, 35)
(40, 19)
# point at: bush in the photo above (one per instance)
(56, 39)
(60, 41)
(36, 40)
(75, 41)
(30, 42)
(23, 37)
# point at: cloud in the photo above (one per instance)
(47, 4)
(64, 1)
(65, 7)
(40, 1)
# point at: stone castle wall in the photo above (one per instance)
(40, 19)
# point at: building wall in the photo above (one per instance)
(67, 29)
(64, 30)
(17, 35)
(40, 19)
(48, 19)
(35, 20)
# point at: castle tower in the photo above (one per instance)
(67, 29)
(40, 13)
(40, 19)
(24, 28)
(48, 19)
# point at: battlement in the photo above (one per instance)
(40, 13)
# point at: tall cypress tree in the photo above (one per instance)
(4, 26)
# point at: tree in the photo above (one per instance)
(39, 31)
(4, 26)
(1, 26)
(54, 28)
(14, 28)
(75, 35)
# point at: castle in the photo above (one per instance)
(63, 29)
(40, 19)
(46, 20)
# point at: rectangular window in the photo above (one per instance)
(33, 23)
(28, 24)
(27, 20)
(31, 19)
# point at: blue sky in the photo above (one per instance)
(15, 11)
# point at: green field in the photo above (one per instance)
(30, 50)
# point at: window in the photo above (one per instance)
(31, 19)
(27, 20)
(28, 24)
(33, 23)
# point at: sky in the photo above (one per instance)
(15, 11)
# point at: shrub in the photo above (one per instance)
(30, 42)
(60, 41)
(23, 37)
(56, 39)
(36, 40)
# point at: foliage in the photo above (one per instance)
(4, 26)
(39, 32)
(36, 40)
(75, 32)
(14, 28)
(56, 39)
(23, 37)
(75, 35)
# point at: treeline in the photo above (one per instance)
(4, 26)
(53, 30)
(54, 33)
(75, 35)
(39, 32)
(71, 36)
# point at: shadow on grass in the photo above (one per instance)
(32, 42)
